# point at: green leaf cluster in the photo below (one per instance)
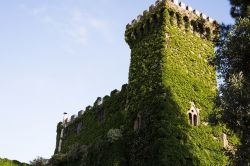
(7, 162)
(240, 8)
(233, 57)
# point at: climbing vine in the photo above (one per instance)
(94, 137)
(170, 67)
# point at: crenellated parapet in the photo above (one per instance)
(99, 102)
(181, 15)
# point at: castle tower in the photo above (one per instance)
(166, 114)
(172, 87)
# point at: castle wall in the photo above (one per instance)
(189, 75)
(166, 114)
(145, 96)
(97, 125)
(172, 56)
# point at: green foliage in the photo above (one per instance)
(58, 131)
(190, 77)
(104, 152)
(39, 161)
(95, 137)
(170, 67)
(92, 130)
(233, 54)
(6, 162)
(145, 92)
(233, 58)
(114, 135)
(240, 8)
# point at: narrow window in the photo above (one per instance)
(136, 125)
(190, 118)
(147, 25)
(79, 127)
(101, 116)
(195, 120)
(137, 122)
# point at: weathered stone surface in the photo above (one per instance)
(80, 112)
(139, 17)
(72, 118)
(196, 12)
(182, 5)
(203, 16)
(189, 8)
(224, 140)
(151, 8)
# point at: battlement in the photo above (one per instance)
(98, 119)
(181, 15)
(72, 118)
(67, 120)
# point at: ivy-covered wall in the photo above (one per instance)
(96, 139)
(91, 129)
(147, 123)
(172, 66)
(145, 90)
(189, 75)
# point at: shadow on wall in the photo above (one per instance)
(173, 134)
(162, 138)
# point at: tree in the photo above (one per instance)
(39, 161)
(233, 64)
(240, 8)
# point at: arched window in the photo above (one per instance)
(194, 115)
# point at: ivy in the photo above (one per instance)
(166, 74)
(169, 69)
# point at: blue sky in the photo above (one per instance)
(58, 56)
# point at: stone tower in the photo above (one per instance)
(166, 114)
(172, 87)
